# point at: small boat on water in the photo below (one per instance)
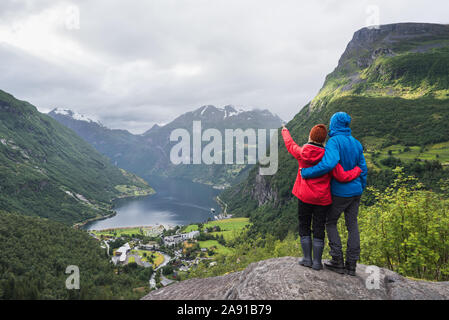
(212, 210)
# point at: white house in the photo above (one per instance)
(122, 252)
(177, 238)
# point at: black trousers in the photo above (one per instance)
(350, 206)
(312, 219)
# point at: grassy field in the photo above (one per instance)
(159, 258)
(190, 227)
(438, 151)
(118, 232)
(214, 243)
(229, 227)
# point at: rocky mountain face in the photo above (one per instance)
(285, 279)
(394, 82)
(390, 61)
(149, 153)
(368, 44)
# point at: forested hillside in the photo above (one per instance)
(47, 170)
(35, 253)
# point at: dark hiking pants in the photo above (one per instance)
(312, 219)
(350, 206)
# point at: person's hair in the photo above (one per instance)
(318, 133)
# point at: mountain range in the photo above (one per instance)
(55, 171)
(149, 153)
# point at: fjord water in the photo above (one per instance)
(176, 202)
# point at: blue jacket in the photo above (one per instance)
(341, 148)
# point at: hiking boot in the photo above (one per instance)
(350, 267)
(335, 265)
(306, 244)
(318, 246)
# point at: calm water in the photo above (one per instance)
(176, 202)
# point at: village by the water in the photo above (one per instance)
(171, 251)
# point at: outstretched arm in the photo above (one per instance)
(329, 161)
(291, 146)
(345, 176)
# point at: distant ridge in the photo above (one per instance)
(148, 153)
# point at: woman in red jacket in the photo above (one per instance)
(314, 195)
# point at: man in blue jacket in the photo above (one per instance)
(342, 148)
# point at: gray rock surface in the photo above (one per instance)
(284, 279)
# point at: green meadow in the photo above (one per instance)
(229, 228)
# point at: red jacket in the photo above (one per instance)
(317, 190)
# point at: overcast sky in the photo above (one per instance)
(131, 64)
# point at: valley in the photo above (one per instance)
(152, 247)
(149, 153)
(75, 192)
(176, 202)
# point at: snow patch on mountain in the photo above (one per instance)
(230, 111)
(73, 115)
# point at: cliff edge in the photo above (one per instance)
(284, 279)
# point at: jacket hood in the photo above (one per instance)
(311, 154)
(339, 124)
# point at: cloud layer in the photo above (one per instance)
(134, 65)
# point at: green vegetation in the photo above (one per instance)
(120, 232)
(393, 235)
(35, 253)
(407, 230)
(138, 188)
(153, 257)
(229, 228)
(247, 249)
(190, 227)
(375, 153)
(213, 244)
(215, 236)
(47, 170)
(159, 258)
(411, 74)
(133, 191)
(399, 104)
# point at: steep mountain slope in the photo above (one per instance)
(149, 153)
(394, 82)
(47, 170)
(112, 143)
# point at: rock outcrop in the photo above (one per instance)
(284, 279)
(368, 43)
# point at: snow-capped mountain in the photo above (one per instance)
(71, 114)
(148, 153)
(227, 117)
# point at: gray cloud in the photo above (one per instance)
(147, 62)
